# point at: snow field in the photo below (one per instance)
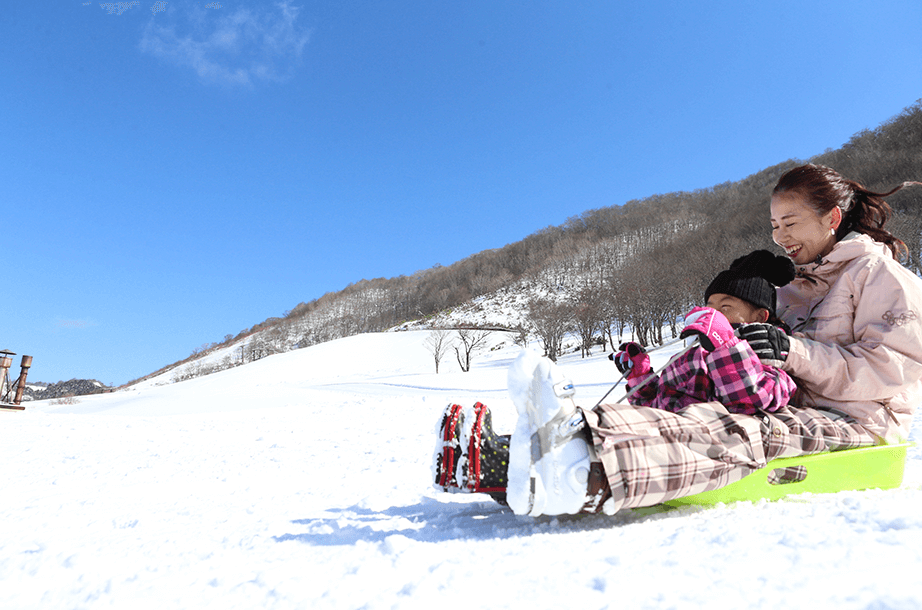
(303, 480)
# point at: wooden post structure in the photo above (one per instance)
(21, 385)
(6, 390)
(6, 361)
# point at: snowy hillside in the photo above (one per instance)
(371, 306)
(504, 308)
(302, 481)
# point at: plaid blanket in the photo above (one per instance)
(652, 455)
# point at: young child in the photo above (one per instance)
(722, 367)
(471, 457)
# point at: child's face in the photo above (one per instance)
(737, 310)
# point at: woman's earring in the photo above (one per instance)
(832, 231)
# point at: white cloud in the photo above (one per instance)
(74, 324)
(117, 8)
(239, 47)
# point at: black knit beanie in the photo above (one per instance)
(753, 278)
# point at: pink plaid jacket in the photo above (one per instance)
(731, 375)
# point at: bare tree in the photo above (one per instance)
(551, 319)
(519, 335)
(438, 343)
(587, 317)
(471, 340)
(609, 317)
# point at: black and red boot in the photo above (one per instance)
(448, 450)
(487, 454)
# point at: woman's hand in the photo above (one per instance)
(769, 342)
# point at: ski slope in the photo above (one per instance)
(303, 481)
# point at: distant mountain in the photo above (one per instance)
(63, 389)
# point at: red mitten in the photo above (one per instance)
(711, 326)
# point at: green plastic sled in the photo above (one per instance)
(879, 467)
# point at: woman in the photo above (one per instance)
(854, 309)
(856, 352)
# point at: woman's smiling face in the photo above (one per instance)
(796, 227)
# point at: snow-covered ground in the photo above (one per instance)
(303, 481)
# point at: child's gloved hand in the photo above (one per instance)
(632, 358)
(711, 326)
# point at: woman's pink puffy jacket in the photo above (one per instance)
(857, 342)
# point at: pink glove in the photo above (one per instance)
(711, 326)
(632, 359)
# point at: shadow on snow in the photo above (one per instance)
(435, 521)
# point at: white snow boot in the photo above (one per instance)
(550, 457)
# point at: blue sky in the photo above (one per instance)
(173, 172)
